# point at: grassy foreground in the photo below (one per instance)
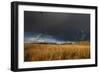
(46, 52)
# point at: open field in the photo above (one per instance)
(47, 52)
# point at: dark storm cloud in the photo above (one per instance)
(69, 26)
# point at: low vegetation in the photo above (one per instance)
(46, 52)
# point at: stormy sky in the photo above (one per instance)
(66, 26)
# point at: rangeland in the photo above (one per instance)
(49, 52)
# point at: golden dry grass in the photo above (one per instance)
(46, 52)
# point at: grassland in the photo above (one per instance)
(46, 52)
